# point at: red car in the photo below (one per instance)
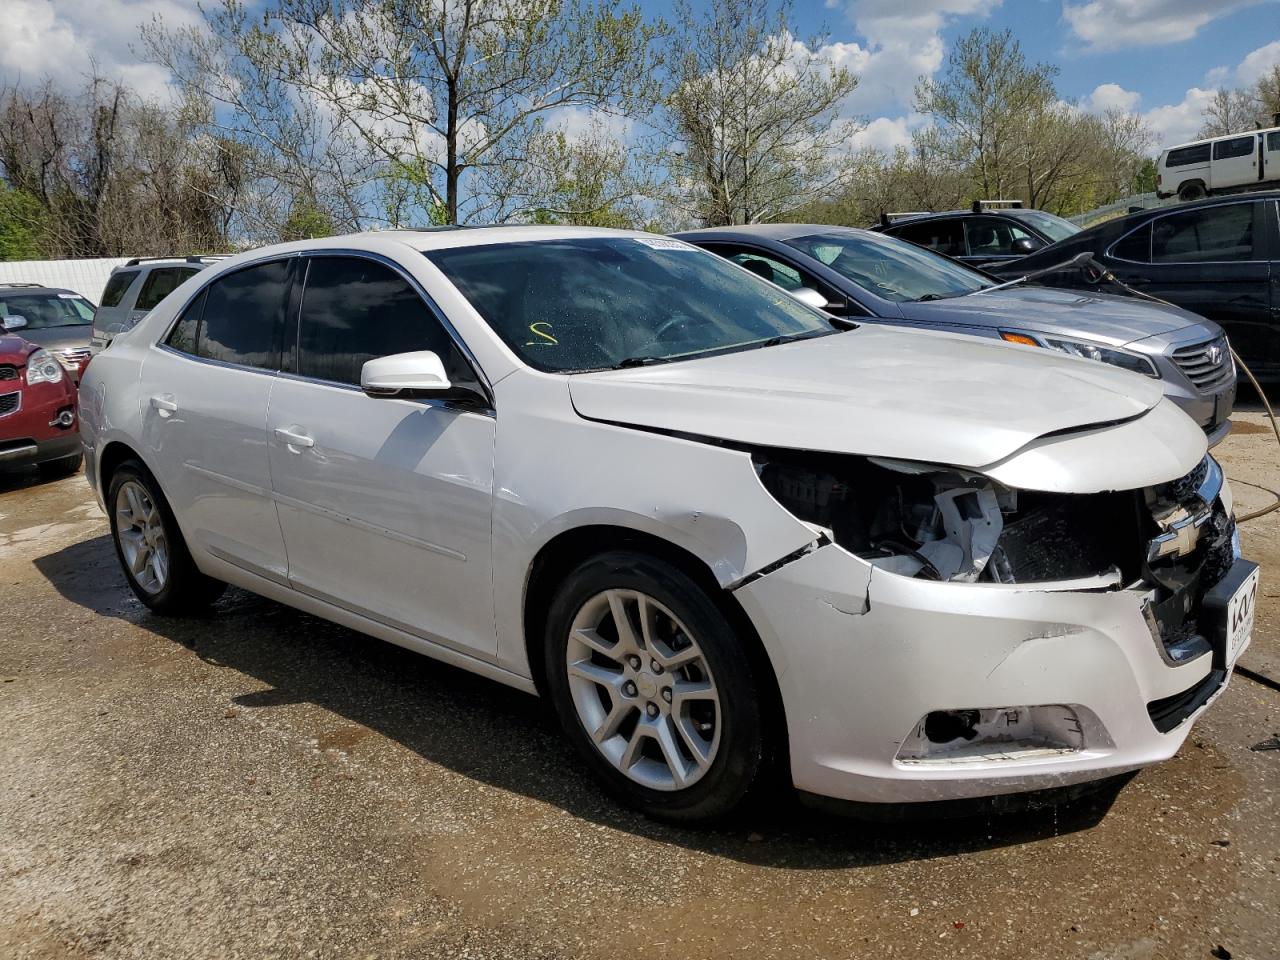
(39, 418)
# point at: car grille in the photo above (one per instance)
(9, 403)
(74, 356)
(1206, 364)
(8, 372)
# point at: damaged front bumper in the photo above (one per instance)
(901, 689)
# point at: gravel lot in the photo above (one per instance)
(263, 784)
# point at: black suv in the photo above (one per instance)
(1219, 258)
(983, 236)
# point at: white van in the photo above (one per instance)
(1219, 165)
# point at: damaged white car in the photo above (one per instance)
(729, 537)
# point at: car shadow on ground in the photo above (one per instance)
(18, 478)
(505, 738)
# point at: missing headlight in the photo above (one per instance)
(943, 523)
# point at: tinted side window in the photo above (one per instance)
(244, 315)
(944, 236)
(1239, 147)
(159, 284)
(1185, 156)
(354, 310)
(186, 331)
(1273, 140)
(1211, 235)
(1136, 246)
(991, 236)
(116, 286)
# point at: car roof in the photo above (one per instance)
(1138, 217)
(768, 231)
(17, 290)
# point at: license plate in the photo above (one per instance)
(1240, 610)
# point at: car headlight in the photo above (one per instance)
(1089, 351)
(43, 367)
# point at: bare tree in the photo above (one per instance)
(752, 113)
(1230, 111)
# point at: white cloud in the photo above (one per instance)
(884, 134)
(1179, 122)
(903, 43)
(1258, 63)
(1117, 24)
(1110, 96)
(64, 39)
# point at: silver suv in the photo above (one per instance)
(134, 288)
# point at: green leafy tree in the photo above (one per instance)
(22, 225)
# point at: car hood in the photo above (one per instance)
(14, 350)
(53, 338)
(1099, 317)
(907, 394)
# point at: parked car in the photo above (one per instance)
(1241, 161)
(37, 408)
(983, 235)
(58, 320)
(136, 287)
(1219, 258)
(727, 538)
(885, 280)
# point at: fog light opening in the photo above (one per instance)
(978, 735)
(65, 418)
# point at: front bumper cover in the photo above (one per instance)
(863, 655)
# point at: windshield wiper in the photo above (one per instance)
(791, 337)
(930, 296)
(638, 362)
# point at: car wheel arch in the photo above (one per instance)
(560, 555)
(113, 454)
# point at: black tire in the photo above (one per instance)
(56, 469)
(742, 764)
(186, 591)
(1191, 191)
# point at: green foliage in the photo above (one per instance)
(306, 221)
(1144, 181)
(22, 225)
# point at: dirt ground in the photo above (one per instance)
(263, 784)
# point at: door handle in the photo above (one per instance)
(164, 405)
(293, 438)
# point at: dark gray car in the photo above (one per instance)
(59, 320)
(871, 277)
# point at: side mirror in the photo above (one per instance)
(403, 374)
(14, 322)
(1026, 245)
(809, 297)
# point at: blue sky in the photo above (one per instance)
(1162, 58)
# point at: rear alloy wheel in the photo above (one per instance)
(150, 547)
(655, 689)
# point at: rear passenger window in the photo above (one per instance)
(1239, 147)
(1273, 140)
(1136, 246)
(354, 310)
(944, 236)
(1211, 235)
(159, 284)
(186, 331)
(244, 316)
(116, 286)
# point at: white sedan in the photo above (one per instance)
(731, 539)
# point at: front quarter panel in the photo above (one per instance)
(555, 471)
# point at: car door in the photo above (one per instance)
(1271, 155)
(204, 394)
(385, 503)
(944, 235)
(1212, 260)
(1235, 162)
(993, 240)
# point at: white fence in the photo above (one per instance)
(85, 277)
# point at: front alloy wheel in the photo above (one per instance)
(643, 690)
(657, 689)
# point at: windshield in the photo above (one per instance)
(45, 310)
(890, 268)
(1055, 228)
(568, 306)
